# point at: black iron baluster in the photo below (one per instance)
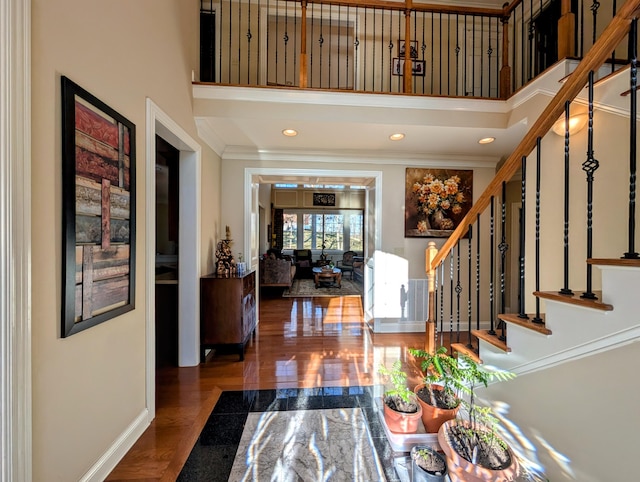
(432, 53)
(464, 60)
(566, 290)
(536, 318)
(321, 41)
(594, 10)
(239, 40)
(633, 94)
(482, 56)
(442, 297)
(589, 166)
(451, 297)
(440, 56)
(473, 57)
(469, 306)
(249, 45)
(457, 56)
(513, 51)
(285, 38)
(523, 192)
(492, 266)
(489, 53)
(503, 247)
(582, 29)
(522, 48)
(449, 50)
(531, 47)
(478, 273)
(458, 293)
(613, 54)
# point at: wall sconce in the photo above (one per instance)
(576, 123)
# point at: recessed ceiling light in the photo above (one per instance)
(290, 132)
(486, 140)
(396, 137)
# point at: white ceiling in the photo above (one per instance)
(250, 121)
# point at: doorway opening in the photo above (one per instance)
(167, 231)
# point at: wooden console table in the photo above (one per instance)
(227, 311)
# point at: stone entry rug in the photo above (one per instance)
(305, 288)
(307, 445)
(323, 434)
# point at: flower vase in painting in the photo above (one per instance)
(436, 200)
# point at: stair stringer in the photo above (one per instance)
(577, 331)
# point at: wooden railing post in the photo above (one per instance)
(566, 31)
(430, 327)
(408, 62)
(303, 45)
(505, 70)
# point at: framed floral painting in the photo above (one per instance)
(436, 200)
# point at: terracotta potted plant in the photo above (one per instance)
(471, 442)
(443, 382)
(402, 412)
(427, 465)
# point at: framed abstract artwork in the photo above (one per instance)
(436, 200)
(98, 211)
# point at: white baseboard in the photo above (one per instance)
(105, 464)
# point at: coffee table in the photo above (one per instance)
(325, 277)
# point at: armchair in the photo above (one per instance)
(346, 263)
(303, 262)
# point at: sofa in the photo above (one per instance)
(276, 272)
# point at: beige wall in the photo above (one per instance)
(579, 419)
(88, 388)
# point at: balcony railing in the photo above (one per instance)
(395, 46)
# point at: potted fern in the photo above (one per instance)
(471, 442)
(402, 411)
(443, 381)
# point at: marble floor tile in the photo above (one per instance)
(308, 445)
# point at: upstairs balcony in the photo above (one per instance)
(406, 47)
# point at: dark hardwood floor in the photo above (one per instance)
(300, 343)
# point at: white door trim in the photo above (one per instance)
(188, 243)
(15, 241)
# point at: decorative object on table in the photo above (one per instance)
(241, 265)
(473, 447)
(225, 264)
(436, 200)
(98, 211)
(427, 465)
(402, 413)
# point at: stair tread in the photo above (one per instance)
(492, 339)
(461, 348)
(575, 299)
(526, 323)
(614, 262)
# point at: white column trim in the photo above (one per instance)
(15, 240)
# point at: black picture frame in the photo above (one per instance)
(324, 199)
(417, 67)
(98, 211)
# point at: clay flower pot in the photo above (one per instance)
(401, 422)
(420, 474)
(434, 417)
(461, 470)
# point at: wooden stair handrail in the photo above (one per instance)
(597, 55)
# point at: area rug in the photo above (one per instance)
(306, 288)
